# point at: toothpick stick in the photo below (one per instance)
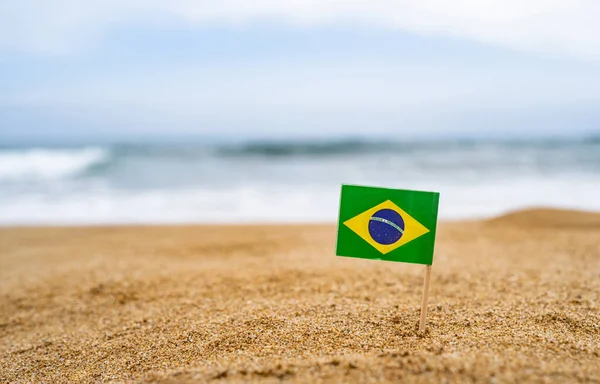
(425, 296)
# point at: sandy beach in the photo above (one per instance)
(513, 299)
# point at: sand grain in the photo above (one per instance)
(512, 300)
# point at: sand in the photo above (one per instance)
(514, 299)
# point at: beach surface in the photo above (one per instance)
(513, 299)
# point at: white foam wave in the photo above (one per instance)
(281, 203)
(47, 163)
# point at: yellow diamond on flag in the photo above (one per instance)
(386, 227)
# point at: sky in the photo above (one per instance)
(275, 68)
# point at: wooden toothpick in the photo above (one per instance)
(425, 296)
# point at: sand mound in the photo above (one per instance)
(549, 218)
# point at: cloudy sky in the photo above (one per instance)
(92, 68)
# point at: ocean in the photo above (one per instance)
(286, 181)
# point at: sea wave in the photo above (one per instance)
(333, 148)
(286, 181)
(48, 164)
(281, 202)
(314, 148)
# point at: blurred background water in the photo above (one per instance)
(182, 111)
(287, 181)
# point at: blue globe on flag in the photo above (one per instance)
(386, 226)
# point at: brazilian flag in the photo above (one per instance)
(387, 224)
